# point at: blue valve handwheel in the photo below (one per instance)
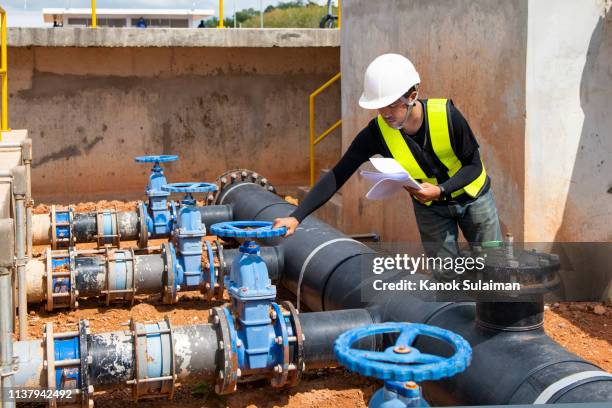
(190, 187)
(164, 158)
(247, 229)
(401, 361)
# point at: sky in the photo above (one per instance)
(28, 13)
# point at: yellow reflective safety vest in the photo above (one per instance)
(439, 134)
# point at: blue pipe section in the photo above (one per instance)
(62, 224)
(67, 377)
(61, 284)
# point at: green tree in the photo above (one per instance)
(292, 14)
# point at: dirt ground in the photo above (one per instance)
(582, 328)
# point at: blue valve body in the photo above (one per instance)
(159, 218)
(388, 397)
(188, 233)
(189, 242)
(258, 339)
(252, 292)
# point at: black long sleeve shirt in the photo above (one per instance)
(369, 142)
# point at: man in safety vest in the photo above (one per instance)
(432, 140)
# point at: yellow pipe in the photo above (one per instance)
(339, 16)
(328, 131)
(94, 17)
(311, 108)
(221, 14)
(4, 74)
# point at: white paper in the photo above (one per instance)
(390, 178)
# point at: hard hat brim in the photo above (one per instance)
(379, 102)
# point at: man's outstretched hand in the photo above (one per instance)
(428, 192)
(291, 223)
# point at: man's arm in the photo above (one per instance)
(472, 167)
(362, 148)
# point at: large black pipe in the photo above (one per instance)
(515, 366)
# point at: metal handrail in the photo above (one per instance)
(4, 75)
(94, 16)
(314, 141)
(220, 15)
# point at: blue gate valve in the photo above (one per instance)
(155, 217)
(260, 331)
(401, 365)
(188, 232)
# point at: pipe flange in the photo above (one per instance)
(222, 270)
(74, 293)
(160, 354)
(227, 355)
(58, 242)
(64, 270)
(86, 389)
(296, 348)
(169, 295)
(111, 259)
(238, 176)
(49, 361)
(281, 371)
(103, 239)
(79, 362)
(209, 268)
(143, 233)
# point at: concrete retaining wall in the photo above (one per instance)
(91, 108)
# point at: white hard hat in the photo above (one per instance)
(387, 78)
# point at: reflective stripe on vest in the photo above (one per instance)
(437, 122)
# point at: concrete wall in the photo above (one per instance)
(470, 51)
(569, 145)
(93, 101)
(568, 173)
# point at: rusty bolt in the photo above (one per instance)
(90, 403)
(221, 345)
(221, 375)
(90, 389)
(238, 373)
(238, 343)
(278, 368)
(278, 340)
(273, 315)
(215, 319)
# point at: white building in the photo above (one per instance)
(154, 18)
